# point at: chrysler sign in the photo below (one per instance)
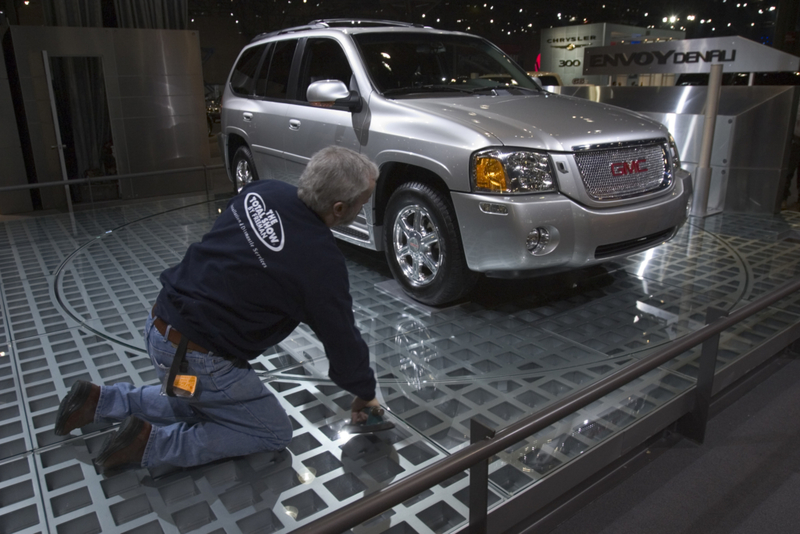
(735, 54)
(572, 42)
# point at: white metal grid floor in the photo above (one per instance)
(76, 291)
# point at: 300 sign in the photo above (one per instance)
(569, 63)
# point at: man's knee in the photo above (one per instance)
(275, 435)
(282, 434)
(283, 441)
(277, 440)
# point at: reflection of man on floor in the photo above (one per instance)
(269, 263)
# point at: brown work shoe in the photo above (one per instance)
(77, 407)
(125, 447)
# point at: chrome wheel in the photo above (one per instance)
(243, 170)
(422, 245)
(415, 241)
(243, 174)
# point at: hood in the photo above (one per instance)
(542, 121)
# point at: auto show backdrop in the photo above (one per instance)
(753, 126)
(562, 48)
(142, 91)
(735, 54)
(750, 151)
(12, 169)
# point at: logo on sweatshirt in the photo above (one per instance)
(265, 222)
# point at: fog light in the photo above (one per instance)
(537, 240)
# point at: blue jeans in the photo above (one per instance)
(232, 413)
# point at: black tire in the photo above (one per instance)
(242, 169)
(423, 246)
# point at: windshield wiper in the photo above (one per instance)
(429, 88)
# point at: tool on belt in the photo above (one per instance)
(177, 385)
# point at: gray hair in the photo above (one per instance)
(335, 174)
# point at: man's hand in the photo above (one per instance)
(358, 404)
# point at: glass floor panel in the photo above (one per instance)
(76, 291)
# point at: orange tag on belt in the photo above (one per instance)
(186, 383)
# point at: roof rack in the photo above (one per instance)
(340, 23)
(331, 23)
(285, 30)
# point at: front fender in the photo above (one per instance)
(411, 158)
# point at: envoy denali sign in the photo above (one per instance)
(735, 54)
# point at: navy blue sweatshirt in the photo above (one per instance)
(268, 264)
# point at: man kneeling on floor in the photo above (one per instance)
(269, 263)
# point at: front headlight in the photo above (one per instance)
(512, 171)
(673, 151)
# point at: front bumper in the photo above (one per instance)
(495, 244)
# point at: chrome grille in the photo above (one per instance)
(624, 172)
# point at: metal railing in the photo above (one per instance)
(485, 442)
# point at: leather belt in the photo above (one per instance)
(175, 336)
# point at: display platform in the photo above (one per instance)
(76, 290)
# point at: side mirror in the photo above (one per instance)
(330, 93)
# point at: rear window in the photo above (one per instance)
(244, 73)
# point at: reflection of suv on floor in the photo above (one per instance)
(477, 176)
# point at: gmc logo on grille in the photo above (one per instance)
(621, 168)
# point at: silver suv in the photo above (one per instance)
(482, 171)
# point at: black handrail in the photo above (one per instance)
(376, 503)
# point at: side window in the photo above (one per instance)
(261, 80)
(324, 59)
(273, 80)
(244, 72)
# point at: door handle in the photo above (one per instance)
(294, 124)
(247, 116)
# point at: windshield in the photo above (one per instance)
(407, 64)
